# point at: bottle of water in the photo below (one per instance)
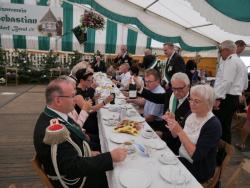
(123, 113)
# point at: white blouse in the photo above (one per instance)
(192, 128)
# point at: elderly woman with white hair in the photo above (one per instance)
(200, 135)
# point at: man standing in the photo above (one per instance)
(175, 62)
(231, 81)
(73, 161)
(241, 45)
(148, 59)
(123, 57)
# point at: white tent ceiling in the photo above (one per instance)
(181, 18)
(182, 12)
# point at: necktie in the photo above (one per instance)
(177, 103)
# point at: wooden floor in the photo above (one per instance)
(19, 110)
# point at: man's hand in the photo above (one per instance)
(138, 83)
(168, 115)
(108, 99)
(119, 154)
(95, 153)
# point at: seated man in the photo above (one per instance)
(175, 102)
(69, 161)
(124, 77)
(152, 111)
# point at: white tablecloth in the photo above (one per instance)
(150, 165)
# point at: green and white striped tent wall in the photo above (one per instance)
(106, 41)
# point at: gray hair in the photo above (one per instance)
(54, 88)
(181, 76)
(228, 44)
(65, 77)
(205, 91)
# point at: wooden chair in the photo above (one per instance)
(219, 170)
(234, 176)
(40, 171)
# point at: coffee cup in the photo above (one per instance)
(148, 133)
(129, 146)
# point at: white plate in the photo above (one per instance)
(173, 175)
(120, 138)
(134, 178)
(137, 118)
(156, 144)
(168, 159)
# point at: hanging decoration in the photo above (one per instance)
(91, 19)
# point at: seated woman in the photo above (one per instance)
(200, 135)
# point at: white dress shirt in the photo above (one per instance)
(231, 77)
(125, 78)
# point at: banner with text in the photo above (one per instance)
(31, 20)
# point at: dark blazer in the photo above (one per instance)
(176, 64)
(204, 157)
(181, 114)
(163, 98)
(69, 163)
(100, 68)
(148, 61)
(125, 59)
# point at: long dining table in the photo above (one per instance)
(150, 163)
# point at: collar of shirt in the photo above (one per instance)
(64, 116)
(183, 99)
(124, 54)
(171, 56)
(156, 88)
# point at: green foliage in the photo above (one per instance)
(75, 58)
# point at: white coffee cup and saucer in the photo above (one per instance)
(148, 133)
(168, 159)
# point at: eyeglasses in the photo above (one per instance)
(194, 101)
(63, 96)
(149, 81)
(90, 80)
(178, 88)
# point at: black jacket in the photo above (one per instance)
(181, 114)
(176, 64)
(204, 157)
(121, 60)
(69, 163)
(100, 68)
(148, 61)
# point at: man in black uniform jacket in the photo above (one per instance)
(60, 101)
(175, 62)
(148, 59)
(123, 57)
(175, 102)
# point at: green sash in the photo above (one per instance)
(70, 125)
(175, 104)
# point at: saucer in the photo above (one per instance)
(144, 134)
(168, 160)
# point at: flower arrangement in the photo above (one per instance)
(92, 20)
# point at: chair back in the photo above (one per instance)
(40, 171)
(219, 170)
